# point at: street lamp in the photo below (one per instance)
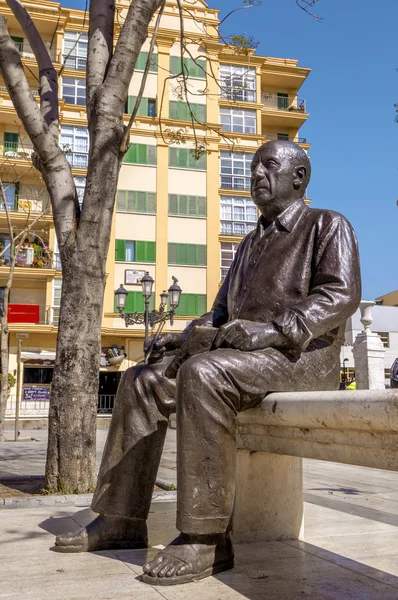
(153, 317)
(345, 370)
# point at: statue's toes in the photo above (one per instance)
(152, 567)
(183, 570)
(75, 541)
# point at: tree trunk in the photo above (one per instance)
(71, 453)
(4, 367)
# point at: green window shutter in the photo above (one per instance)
(201, 206)
(201, 255)
(283, 101)
(202, 162)
(131, 154)
(181, 254)
(191, 304)
(173, 109)
(142, 154)
(201, 304)
(131, 201)
(175, 65)
(192, 254)
(120, 250)
(185, 112)
(201, 112)
(141, 202)
(143, 108)
(182, 307)
(151, 155)
(172, 157)
(182, 205)
(151, 202)
(141, 61)
(130, 103)
(192, 206)
(153, 67)
(172, 254)
(145, 251)
(201, 68)
(183, 158)
(10, 142)
(121, 200)
(151, 252)
(173, 204)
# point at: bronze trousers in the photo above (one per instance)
(209, 392)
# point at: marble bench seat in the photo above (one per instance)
(353, 427)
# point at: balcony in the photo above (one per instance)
(26, 205)
(278, 136)
(235, 182)
(75, 63)
(287, 103)
(4, 90)
(25, 50)
(238, 228)
(32, 257)
(15, 150)
(33, 314)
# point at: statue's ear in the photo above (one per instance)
(299, 177)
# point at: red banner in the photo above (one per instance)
(23, 313)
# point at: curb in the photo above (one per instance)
(70, 500)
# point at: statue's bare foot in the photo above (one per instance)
(104, 533)
(189, 558)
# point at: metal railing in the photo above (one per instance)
(15, 150)
(26, 206)
(290, 103)
(278, 136)
(25, 50)
(106, 403)
(75, 62)
(4, 90)
(46, 315)
(237, 227)
(236, 182)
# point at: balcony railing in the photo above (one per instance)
(75, 62)
(278, 136)
(4, 90)
(34, 314)
(106, 403)
(236, 227)
(26, 206)
(40, 407)
(290, 103)
(235, 182)
(224, 272)
(26, 51)
(15, 150)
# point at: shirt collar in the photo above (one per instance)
(289, 217)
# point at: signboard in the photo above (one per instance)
(133, 277)
(23, 313)
(22, 336)
(36, 393)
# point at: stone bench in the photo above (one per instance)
(353, 427)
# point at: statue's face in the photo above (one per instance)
(274, 173)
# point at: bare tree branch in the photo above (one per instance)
(126, 137)
(100, 45)
(306, 5)
(47, 73)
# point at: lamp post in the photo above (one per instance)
(345, 370)
(154, 317)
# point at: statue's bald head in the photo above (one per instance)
(280, 174)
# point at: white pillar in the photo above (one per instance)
(269, 497)
(368, 353)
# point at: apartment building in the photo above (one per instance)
(175, 214)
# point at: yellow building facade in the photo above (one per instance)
(175, 215)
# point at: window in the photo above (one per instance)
(142, 60)
(192, 68)
(11, 193)
(4, 242)
(18, 41)
(385, 338)
(282, 136)
(135, 302)
(10, 142)
(57, 256)
(282, 101)
(241, 121)
(187, 254)
(75, 50)
(56, 300)
(183, 158)
(80, 183)
(42, 375)
(228, 251)
(181, 112)
(135, 251)
(74, 90)
(2, 296)
(187, 206)
(74, 142)
(235, 170)
(238, 83)
(238, 215)
(192, 305)
(147, 107)
(140, 154)
(133, 201)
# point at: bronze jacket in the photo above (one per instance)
(302, 274)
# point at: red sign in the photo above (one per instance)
(24, 313)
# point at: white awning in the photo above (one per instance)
(42, 355)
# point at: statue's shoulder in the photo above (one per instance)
(325, 217)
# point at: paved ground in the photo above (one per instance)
(350, 548)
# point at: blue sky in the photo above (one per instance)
(350, 97)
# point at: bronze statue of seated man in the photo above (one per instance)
(280, 315)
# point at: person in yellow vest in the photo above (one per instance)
(352, 385)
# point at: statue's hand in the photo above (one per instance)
(247, 336)
(165, 343)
